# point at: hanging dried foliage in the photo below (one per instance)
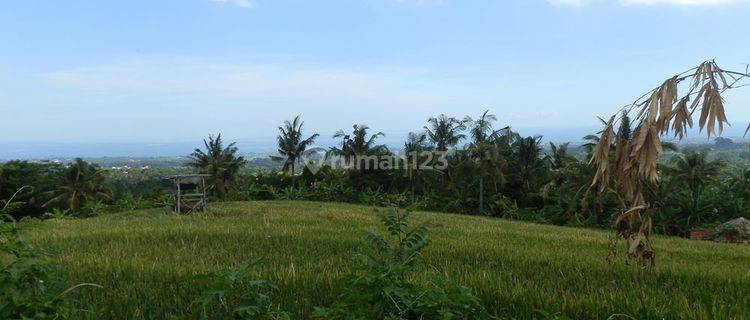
(601, 151)
(634, 162)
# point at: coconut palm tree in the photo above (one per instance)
(222, 163)
(529, 164)
(623, 136)
(444, 132)
(688, 191)
(80, 183)
(414, 147)
(291, 144)
(358, 145)
(559, 157)
(694, 170)
(484, 150)
(481, 128)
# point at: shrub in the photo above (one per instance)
(376, 197)
(292, 193)
(58, 214)
(504, 207)
(383, 290)
(263, 192)
(27, 289)
(235, 292)
(333, 191)
(253, 192)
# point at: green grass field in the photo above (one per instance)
(145, 261)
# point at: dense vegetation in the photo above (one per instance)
(283, 260)
(148, 262)
(463, 166)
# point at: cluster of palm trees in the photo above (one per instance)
(473, 166)
(486, 164)
(485, 155)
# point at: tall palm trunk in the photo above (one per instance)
(294, 177)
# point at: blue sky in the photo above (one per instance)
(125, 71)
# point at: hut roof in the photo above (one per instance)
(739, 222)
(188, 175)
(188, 178)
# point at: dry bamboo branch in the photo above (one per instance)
(660, 111)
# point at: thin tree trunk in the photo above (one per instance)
(294, 177)
(481, 194)
(412, 189)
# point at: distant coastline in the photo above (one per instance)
(263, 146)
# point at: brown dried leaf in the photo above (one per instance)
(667, 97)
(682, 118)
(712, 110)
(645, 151)
(600, 156)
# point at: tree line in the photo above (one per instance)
(486, 170)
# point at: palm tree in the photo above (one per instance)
(222, 163)
(415, 145)
(528, 160)
(358, 146)
(694, 170)
(444, 132)
(484, 150)
(481, 129)
(291, 144)
(623, 138)
(559, 161)
(559, 157)
(689, 176)
(80, 183)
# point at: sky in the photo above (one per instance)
(178, 70)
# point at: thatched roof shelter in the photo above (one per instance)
(739, 223)
(735, 230)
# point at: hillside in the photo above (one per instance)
(146, 260)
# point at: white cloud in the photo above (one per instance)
(574, 3)
(422, 2)
(679, 2)
(246, 97)
(266, 82)
(581, 3)
(240, 3)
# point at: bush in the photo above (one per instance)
(504, 207)
(332, 191)
(253, 192)
(235, 293)
(383, 291)
(27, 289)
(375, 197)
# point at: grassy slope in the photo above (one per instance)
(145, 260)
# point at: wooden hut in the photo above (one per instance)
(736, 230)
(190, 193)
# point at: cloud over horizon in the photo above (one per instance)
(581, 3)
(573, 3)
(386, 97)
(239, 3)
